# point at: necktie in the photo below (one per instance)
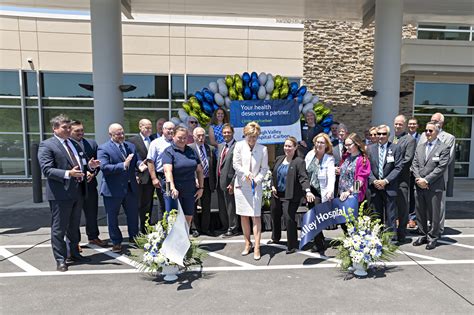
(205, 163)
(429, 146)
(71, 154)
(381, 160)
(124, 154)
(224, 153)
(147, 142)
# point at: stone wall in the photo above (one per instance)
(338, 65)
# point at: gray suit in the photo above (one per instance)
(225, 176)
(449, 140)
(428, 201)
(65, 196)
(407, 144)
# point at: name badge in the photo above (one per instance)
(305, 127)
(435, 159)
(84, 162)
(390, 159)
(322, 174)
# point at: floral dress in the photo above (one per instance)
(348, 169)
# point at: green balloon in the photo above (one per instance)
(187, 107)
(237, 78)
(285, 81)
(229, 81)
(275, 94)
(232, 93)
(239, 86)
(284, 91)
(278, 81)
(240, 97)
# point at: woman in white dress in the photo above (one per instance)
(250, 163)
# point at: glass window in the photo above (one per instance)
(68, 103)
(32, 122)
(132, 117)
(10, 101)
(462, 150)
(176, 104)
(11, 168)
(197, 83)
(149, 104)
(31, 88)
(461, 170)
(32, 102)
(458, 126)
(446, 94)
(66, 84)
(11, 146)
(443, 110)
(86, 116)
(9, 83)
(148, 86)
(177, 86)
(445, 27)
(443, 35)
(10, 120)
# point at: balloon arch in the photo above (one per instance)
(252, 86)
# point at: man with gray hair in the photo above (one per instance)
(208, 162)
(449, 140)
(155, 165)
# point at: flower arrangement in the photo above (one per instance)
(366, 241)
(152, 259)
(267, 188)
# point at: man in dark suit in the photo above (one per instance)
(208, 162)
(159, 129)
(413, 132)
(119, 162)
(225, 174)
(91, 202)
(406, 144)
(145, 186)
(64, 165)
(385, 166)
(429, 165)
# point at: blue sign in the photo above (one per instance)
(323, 215)
(278, 119)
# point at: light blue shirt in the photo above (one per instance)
(155, 152)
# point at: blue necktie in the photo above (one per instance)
(205, 163)
(123, 151)
(381, 160)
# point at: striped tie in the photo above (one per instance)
(205, 163)
(381, 160)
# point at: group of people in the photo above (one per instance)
(182, 163)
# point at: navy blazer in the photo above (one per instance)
(54, 161)
(296, 180)
(391, 170)
(116, 178)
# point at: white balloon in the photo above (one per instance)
(182, 114)
(227, 101)
(219, 99)
(182, 125)
(315, 99)
(307, 107)
(267, 97)
(300, 107)
(269, 77)
(175, 120)
(213, 87)
(269, 86)
(220, 81)
(307, 97)
(262, 92)
(223, 89)
(262, 78)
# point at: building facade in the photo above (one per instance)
(44, 58)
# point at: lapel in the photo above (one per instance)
(432, 152)
(229, 151)
(63, 150)
(88, 149)
(117, 150)
(142, 144)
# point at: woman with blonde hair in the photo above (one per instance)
(250, 163)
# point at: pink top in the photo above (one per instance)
(362, 173)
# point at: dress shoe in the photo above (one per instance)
(420, 241)
(195, 233)
(291, 251)
(248, 249)
(431, 245)
(61, 266)
(230, 234)
(117, 249)
(256, 254)
(98, 242)
(403, 241)
(77, 258)
(272, 242)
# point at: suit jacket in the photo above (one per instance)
(244, 158)
(116, 178)
(211, 160)
(143, 177)
(407, 145)
(338, 158)
(54, 161)
(227, 170)
(89, 147)
(432, 168)
(446, 138)
(296, 179)
(391, 170)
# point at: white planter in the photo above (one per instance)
(359, 269)
(170, 272)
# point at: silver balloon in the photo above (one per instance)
(175, 120)
(269, 77)
(268, 97)
(300, 107)
(223, 90)
(262, 78)
(182, 114)
(227, 101)
(307, 97)
(315, 99)
(219, 99)
(307, 107)
(262, 92)
(269, 86)
(220, 81)
(213, 87)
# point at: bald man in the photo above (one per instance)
(145, 187)
(119, 162)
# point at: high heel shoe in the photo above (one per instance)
(247, 250)
(256, 254)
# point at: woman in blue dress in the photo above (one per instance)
(219, 118)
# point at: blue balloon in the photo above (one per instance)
(290, 97)
(207, 108)
(215, 107)
(246, 77)
(327, 121)
(293, 88)
(199, 97)
(302, 91)
(300, 99)
(254, 97)
(209, 96)
(254, 85)
(254, 76)
(247, 93)
(326, 129)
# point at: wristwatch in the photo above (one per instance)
(308, 190)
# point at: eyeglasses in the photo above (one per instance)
(382, 133)
(373, 134)
(348, 145)
(429, 130)
(193, 122)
